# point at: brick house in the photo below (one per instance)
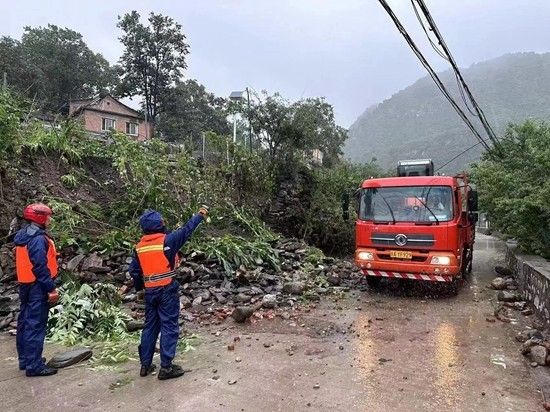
(104, 113)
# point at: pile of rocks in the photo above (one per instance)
(535, 347)
(98, 268)
(209, 295)
(508, 296)
(9, 296)
(207, 291)
(505, 280)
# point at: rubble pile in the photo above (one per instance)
(508, 296)
(208, 293)
(535, 346)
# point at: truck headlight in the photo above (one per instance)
(365, 256)
(441, 260)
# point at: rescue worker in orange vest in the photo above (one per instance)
(36, 267)
(153, 269)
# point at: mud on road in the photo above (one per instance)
(399, 348)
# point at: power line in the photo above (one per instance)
(457, 156)
(463, 96)
(434, 46)
(432, 73)
(442, 55)
(488, 129)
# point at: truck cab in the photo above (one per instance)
(415, 227)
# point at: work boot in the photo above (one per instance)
(22, 368)
(144, 371)
(46, 371)
(174, 371)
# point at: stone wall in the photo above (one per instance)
(533, 277)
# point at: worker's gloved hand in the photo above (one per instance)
(53, 297)
(140, 294)
(204, 211)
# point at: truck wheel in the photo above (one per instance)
(373, 281)
(467, 258)
(454, 286)
(470, 261)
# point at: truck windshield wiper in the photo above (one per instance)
(426, 206)
(389, 208)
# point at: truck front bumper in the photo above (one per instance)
(413, 276)
(377, 263)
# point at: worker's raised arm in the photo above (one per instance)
(176, 239)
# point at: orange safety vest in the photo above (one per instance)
(23, 264)
(156, 268)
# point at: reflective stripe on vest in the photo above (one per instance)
(24, 265)
(156, 268)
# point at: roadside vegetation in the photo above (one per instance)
(98, 190)
(514, 186)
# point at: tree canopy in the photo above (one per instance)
(54, 65)
(190, 110)
(288, 129)
(514, 185)
(153, 60)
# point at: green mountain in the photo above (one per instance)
(418, 122)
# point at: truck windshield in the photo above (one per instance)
(407, 204)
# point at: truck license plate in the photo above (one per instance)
(400, 254)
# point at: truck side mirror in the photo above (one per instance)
(472, 200)
(345, 206)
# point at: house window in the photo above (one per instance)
(131, 128)
(107, 124)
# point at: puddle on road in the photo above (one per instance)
(438, 359)
(486, 243)
(447, 363)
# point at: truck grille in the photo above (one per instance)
(388, 239)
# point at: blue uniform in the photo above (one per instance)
(33, 317)
(162, 304)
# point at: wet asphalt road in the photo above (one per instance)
(445, 354)
(389, 350)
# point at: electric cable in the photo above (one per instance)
(443, 56)
(457, 156)
(480, 114)
(432, 73)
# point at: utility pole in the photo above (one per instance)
(146, 122)
(5, 81)
(234, 127)
(249, 122)
(227, 151)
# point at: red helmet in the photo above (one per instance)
(38, 213)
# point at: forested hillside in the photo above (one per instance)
(418, 122)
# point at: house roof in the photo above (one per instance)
(236, 95)
(90, 102)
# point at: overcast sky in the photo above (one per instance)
(346, 50)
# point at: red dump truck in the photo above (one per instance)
(416, 226)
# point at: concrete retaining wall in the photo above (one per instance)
(533, 276)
